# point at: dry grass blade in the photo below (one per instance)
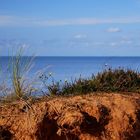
(20, 67)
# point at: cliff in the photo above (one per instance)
(99, 116)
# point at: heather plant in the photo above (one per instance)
(118, 80)
(110, 80)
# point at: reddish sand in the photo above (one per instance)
(88, 117)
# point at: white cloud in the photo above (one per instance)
(113, 44)
(114, 30)
(122, 42)
(6, 20)
(87, 21)
(13, 43)
(126, 40)
(15, 21)
(80, 36)
(99, 43)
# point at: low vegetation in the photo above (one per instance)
(110, 80)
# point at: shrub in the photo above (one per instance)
(110, 80)
(118, 80)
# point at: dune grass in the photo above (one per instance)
(19, 84)
(20, 68)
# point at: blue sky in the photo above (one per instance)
(70, 27)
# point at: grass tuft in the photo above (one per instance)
(20, 67)
(18, 70)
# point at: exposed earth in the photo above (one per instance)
(102, 116)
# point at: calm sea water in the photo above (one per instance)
(72, 67)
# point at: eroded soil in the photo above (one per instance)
(89, 117)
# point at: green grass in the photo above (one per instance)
(110, 80)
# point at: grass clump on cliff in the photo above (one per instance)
(20, 67)
(20, 87)
(110, 80)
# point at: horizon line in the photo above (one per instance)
(68, 56)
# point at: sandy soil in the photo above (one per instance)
(89, 117)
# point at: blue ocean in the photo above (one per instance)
(68, 68)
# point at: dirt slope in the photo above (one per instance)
(88, 117)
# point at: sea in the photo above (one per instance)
(70, 68)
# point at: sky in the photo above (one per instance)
(70, 27)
